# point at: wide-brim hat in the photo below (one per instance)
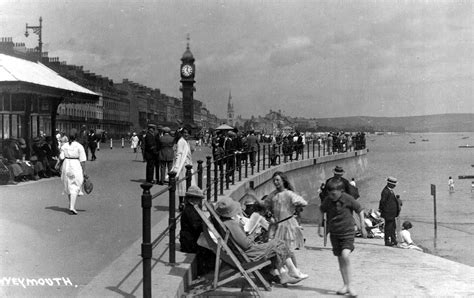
(338, 170)
(151, 125)
(227, 207)
(392, 180)
(249, 199)
(166, 129)
(194, 192)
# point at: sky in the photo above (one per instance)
(314, 59)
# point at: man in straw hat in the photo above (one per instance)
(348, 188)
(191, 222)
(389, 208)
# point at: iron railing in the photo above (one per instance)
(220, 173)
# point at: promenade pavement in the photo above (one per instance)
(378, 271)
(41, 241)
(98, 251)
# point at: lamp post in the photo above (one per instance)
(37, 30)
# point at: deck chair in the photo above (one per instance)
(226, 250)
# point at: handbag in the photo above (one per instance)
(87, 185)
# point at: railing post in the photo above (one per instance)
(200, 170)
(263, 157)
(189, 175)
(313, 148)
(270, 155)
(172, 217)
(319, 149)
(307, 153)
(233, 163)
(324, 147)
(258, 159)
(147, 249)
(208, 178)
(254, 158)
(216, 179)
(227, 175)
(221, 169)
(239, 160)
(246, 165)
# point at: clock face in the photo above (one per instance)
(187, 70)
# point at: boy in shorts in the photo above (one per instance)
(340, 224)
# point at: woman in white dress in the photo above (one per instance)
(74, 159)
(183, 157)
(134, 142)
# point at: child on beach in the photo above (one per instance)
(405, 236)
(339, 207)
(451, 184)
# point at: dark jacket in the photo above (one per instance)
(348, 188)
(12, 151)
(150, 146)
(83, 138)
(252, 143)
(92, 140)
(166, 152)
(389, 205)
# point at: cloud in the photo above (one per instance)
(292, 51)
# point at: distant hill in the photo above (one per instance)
(429, 123)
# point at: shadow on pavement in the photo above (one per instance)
(138, 180)
(62, 209)
(120, 292)
(317, 248)
(162, 208)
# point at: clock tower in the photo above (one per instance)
(187, 72)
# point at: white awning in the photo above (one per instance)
(14, 69)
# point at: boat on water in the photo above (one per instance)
(412, 142)
(465, 138)
(425, 140)
(466, 146)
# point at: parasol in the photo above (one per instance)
(224, 127)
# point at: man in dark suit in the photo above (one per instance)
(92, 143)
(165, 153)
(389, 208)
(348, 188)
(150, 152)
(252, 146)
(83, 140)
(230, 146)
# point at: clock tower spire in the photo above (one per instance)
(230, 111)
(187, 72)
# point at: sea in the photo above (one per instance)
(419, 160)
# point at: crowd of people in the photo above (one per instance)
(39, 159)
(43, 156)
(279, 232)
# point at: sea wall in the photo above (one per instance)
(306, 176)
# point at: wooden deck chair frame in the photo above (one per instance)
(244, 269)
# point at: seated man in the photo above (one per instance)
(275, 250)
(191, 222)
(13, 151)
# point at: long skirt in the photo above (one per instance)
(72, 177)
(275, 250)
(288, 231)
(181, 186)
